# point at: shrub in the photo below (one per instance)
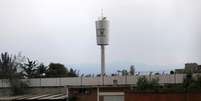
(144, 84)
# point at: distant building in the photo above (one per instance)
(179, 71)
(193, 67)
(189, 67)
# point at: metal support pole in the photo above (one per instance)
(97, 94)
(66, 92)
(81, 78)
(102, 63)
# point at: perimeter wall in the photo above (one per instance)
(108, 80)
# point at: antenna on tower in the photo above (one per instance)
(101, 12)
(102, 17)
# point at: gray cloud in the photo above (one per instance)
(159, 32)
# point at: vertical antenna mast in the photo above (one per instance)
(101, 13)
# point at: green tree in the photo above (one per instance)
(154, 83)
(188, 80)
(29, 68)
(7, 66)
(8, 70)
(192, 83)
(142, 83)
(124, 72)
(132, 70)
(41, 70)
(199, 80)
(171, 72)
(72, 73)
(57, 70)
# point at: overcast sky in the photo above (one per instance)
(152, 32)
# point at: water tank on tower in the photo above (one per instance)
(102, 39)
(102, 31)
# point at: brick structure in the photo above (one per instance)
(125, 93)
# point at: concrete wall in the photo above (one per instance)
(108, 80)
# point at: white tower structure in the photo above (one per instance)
(102, 31)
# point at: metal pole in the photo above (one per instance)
(102, 63)
(97, 94)
(67, 93)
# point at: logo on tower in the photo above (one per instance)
(102, 31)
